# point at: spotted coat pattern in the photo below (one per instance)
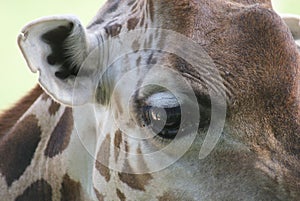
(49, 151)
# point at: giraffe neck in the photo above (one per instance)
(48, 163)
(9, 117)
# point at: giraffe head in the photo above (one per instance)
(185, 97)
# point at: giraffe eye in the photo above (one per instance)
(162, 114)
(165, 122)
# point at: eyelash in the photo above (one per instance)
(161, 140)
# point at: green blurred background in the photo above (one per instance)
(15, 78)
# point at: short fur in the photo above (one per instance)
(257, 157)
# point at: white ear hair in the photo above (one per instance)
(56, 47)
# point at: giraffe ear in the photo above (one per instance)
(293, 22)
(57, 47)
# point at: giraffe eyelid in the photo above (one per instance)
(163, 100)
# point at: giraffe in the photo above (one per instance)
(123, 107)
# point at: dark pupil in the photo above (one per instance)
(163, 121)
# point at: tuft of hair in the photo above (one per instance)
(75, 47)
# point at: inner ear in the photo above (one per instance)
(61, 53)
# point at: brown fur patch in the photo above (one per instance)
(265, 105)
(126, 147)
(70, 189)
(117, 143)
(113, 30)
(99, 196)
(131, 23)
(121, 195)
(45, 97)
(61, 134)
(11, 116)
(135, 181)
(179, 15)
(54, 107)
(17, 148)
(167, 197)
(40, 190)
(103, 157)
